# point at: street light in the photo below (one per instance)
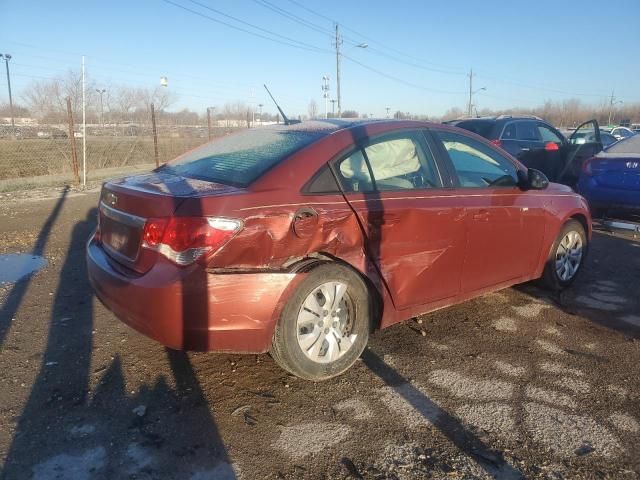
(6, 58)
(611, 110)
(101, 92)
(471, 94)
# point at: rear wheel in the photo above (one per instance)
(324, 326)
(567, 256)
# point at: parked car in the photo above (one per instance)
(302, 239)
(622, 132)
(538, 144)
(589, 137)
(611, 179)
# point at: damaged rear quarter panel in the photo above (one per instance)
(270, 241)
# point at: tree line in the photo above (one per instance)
(45, 100)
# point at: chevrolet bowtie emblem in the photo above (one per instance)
(111, 199)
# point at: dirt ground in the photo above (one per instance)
(515, 384)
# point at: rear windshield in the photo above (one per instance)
(479, 127)
(241, 158)
(628, 145)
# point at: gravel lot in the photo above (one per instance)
(514, 384)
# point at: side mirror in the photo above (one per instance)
(532, 179)
(537, 180)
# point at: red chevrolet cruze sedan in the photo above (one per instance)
(299, 240)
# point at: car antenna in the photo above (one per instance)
(284, 117)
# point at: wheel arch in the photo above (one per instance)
(369, 277)
(580, 217)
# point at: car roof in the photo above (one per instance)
(495, 118)
(332, 125)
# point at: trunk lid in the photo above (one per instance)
(126, 204)
(616, 172)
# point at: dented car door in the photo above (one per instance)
(413, 233)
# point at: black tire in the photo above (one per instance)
(550, 278)
(286, 350)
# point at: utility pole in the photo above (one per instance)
(6, 58)
(469, 112)
(84, 126)
(612, 103)
(209, 122)
(338, 42)
(101, 92)
(72, 139)
(260, 105)
(471, 93)
(387, 109)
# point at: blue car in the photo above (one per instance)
(610, 180)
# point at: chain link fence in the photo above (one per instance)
(42, 154)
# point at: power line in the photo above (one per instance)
(449, 69)
(294, 17)
(379, 72)
(297, 44)
(127, 65)
(317, 28)
(534, 87)
(404, 82)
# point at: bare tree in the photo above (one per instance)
(48, 97)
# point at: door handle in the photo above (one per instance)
(524, 149)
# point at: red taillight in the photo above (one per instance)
(551, 147)
(497, 143)
(184, 239)
(586, 167)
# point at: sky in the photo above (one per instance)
(418, 57)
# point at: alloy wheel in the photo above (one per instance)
(569, 256)
(324, 323)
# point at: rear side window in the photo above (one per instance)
(241, 158)
(509, 132)
(479, 127)
(527, 131)
(476, 164)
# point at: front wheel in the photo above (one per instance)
(567, 256)
(325, 324)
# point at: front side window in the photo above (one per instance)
(476, 164)
(397, 162)
(548, 135)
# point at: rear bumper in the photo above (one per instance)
(606, 197)
(190, 308)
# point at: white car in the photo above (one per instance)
(622, 132)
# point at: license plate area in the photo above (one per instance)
(120, 232)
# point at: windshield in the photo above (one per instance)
(241, 158)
